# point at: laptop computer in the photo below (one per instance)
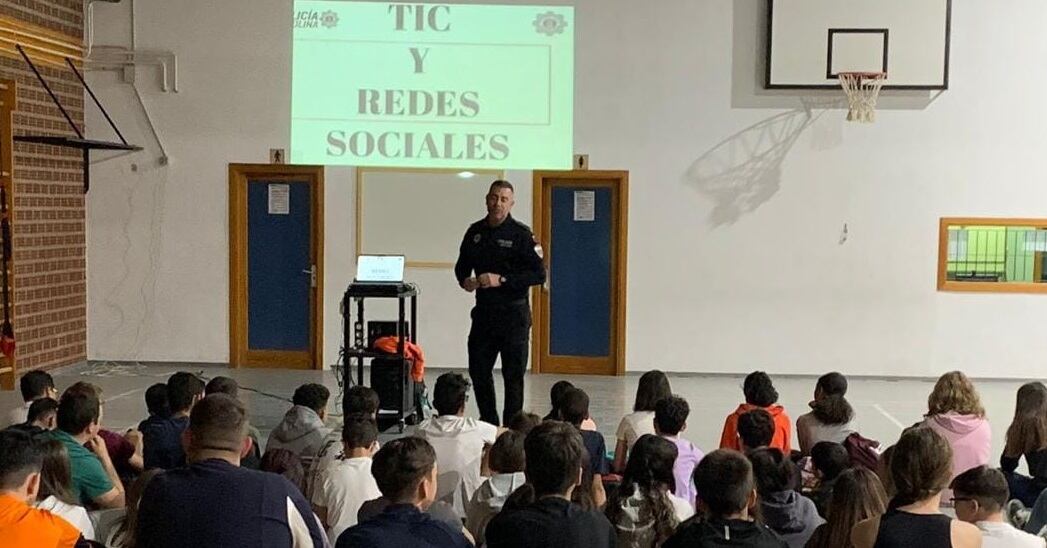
(379, 269)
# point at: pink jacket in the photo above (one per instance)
(969, 436)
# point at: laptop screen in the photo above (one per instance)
(380, 268)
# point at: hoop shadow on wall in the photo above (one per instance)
(743, 171)
(749, 68)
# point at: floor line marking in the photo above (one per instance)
(890, 417)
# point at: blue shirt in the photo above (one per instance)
(213, 503)
(402, 526)
(162, 442)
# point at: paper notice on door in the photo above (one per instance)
(584, 205)
(279, 199)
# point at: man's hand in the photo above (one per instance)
(135, 438)
(470, 284)
(490, 279)
(97, 446)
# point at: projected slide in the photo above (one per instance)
(432, 85)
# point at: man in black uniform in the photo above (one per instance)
(499, 260)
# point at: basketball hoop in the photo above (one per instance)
(862, 89)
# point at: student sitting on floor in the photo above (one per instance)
(229, 387)
(829, 460)
(574, 411)
(347, 483)
(831, 417)
(539, 514)
(653, 387)
(21, 525)
(643, 511)
(556, 394)
(979, 497)
(162, 436)
(302, 430)
(95, 482)
(726, 499)
(670, 418)
(759, 394)
(921, 467)
(55, 485)
(358, 400)
(785, 511)
(1027, 437)
(215, 502)
(857, 495)
(34, 385)
(459, 441)
(506, 460)
(955, 411)
(405, 471)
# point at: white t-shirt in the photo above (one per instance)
(18, 415)
(635, 425)
(683, 509)
(343, 488)
(1004, 535)
(459, 443)
(75, 515)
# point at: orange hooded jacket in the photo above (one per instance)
(783, 429)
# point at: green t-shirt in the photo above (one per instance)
(89, 478)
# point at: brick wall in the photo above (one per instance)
(49, 232)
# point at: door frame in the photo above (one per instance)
(619, 258)
(239, 174)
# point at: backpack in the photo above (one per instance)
(863, 451)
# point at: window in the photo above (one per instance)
(1004, 255)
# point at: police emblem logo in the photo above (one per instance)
(476, 239)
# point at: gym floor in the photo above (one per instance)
(883, 407)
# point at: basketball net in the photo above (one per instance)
(862, 89)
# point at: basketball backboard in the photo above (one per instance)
(810, 41)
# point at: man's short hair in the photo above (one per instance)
(359, 431)
(222, 385)
(19, 457)
(831, 459)
(218, 421)
(507, 454)
(986, 485)
(312, 395)
(77, 410)
(41, 408)
(450, 394)
(361, 399)
(670, 415)
(575, 407)
(723, 481)
(756, 428)
(500, 183)
(400, 465)
(523, 422)
(35, 384)
(182, 389)
(156, 400)
(554, 457)
(759, 390)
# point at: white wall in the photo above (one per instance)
(738, 200)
